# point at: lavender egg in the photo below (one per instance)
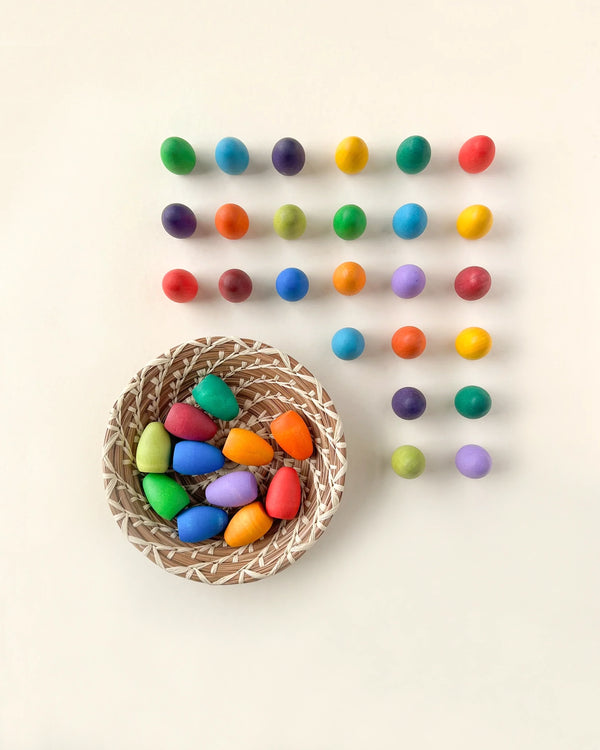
(232, 490)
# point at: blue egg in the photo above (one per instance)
(348, 343)
(191, 457)
(201, 522)
(409, 221)
(232, 155)
(292, 284)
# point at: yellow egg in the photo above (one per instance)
(473, 343)
(474, 222)
(352, 155)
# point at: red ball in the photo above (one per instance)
(477, 154)
(472, 283)
(180, 285)
(235, 285)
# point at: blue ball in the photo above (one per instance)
(292, 284)
(201, 522)
(409, 221)
(348, 343)
(232, 155)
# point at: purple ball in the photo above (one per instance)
(288, 156)
(408, 281)
(473, 461)
(408, 403)
(178, 220)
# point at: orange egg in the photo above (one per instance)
(246, 447)
(292, 435)
(231, 221)
(247, 525)
(408, 342)
(349, 278)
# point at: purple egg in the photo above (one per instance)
(232, 490)
(408, 281)
(288, 156)
(473, 461)
(409, 403)
(178, 220)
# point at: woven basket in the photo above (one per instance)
(266, 383)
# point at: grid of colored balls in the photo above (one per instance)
(231, 221)
(352, 155)
(231, 155)
(292, 284)
(477, 154)
(413, 154)
(408, 342)
(408, 281)
(408, 462)
(288, 156)
(235, 285)
(178, 220)
(180, 285)
(472, 402)
(472, 283)
(177, 155)
(349, 222)
(473, 461)
(473, 343)
(409, 403)
(348, 343)
(409, 221)
(474, 222)
(289, 222)
(349, 278)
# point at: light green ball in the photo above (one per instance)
(289, 222)
(408, 462)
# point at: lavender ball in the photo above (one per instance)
(473, 461)
(408, 281)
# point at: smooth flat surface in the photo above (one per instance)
(435, 613)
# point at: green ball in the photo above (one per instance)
(413, 154)
(349, 222)
(472, 402)
(177, 155)
(408, 462)
(289, 222)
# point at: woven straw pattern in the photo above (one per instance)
(266, 383)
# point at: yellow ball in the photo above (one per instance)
(474, 222)
(352, 155)
(473, 343)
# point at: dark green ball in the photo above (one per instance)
(472, 402)
(349, 222)
(177, 155)
(413, 154)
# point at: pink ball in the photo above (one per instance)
(180, 285)
(235, 285)
(472, 283)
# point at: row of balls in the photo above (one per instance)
(349, 221)
(409, 342)
(349, 278)
(351, 155)
(471, 460)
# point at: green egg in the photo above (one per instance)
(177, 155)
(289, 222)
(408, 462)
(473, 402)
(349, 222)
(413, 154)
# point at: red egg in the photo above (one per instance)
(235, 285)
(472, 283)
(180, 285)
(477, 154)
(284, 494)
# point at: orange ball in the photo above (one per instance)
(231, 221)
(408, 342)
(349, 278)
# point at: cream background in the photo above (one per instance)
(438, 613)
